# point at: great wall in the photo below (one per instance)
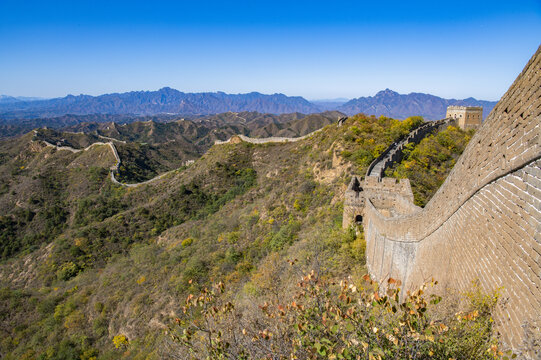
(239, 138)
(232, 140)
(483, 224)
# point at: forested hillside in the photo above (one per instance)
(94, 270)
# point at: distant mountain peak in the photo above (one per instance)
(392, 104)
(164, 100)
(168, 90)
(387, 93)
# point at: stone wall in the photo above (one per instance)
(394, 152)
(390, 196)
(353, 202)
(275, 139)
(484, 222)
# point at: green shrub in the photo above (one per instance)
(67, 271)
(186, 242)
(285, 236)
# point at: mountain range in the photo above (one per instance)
(171, 101)
(395, 105)
(12, 99)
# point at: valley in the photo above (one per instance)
(92, 260)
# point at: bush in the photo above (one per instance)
(330, 320)
(120, 341)
(186, 242)
(285, 236)
(67, 271)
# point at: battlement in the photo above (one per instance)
(385, 193)
(470, 108)
(353, 191)
(387, 184)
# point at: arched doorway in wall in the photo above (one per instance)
(358, 219)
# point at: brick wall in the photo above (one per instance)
(484, 222)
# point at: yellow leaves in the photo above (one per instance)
(292, 262)
(342, 322)
(79, 241)
(120, 341)
(186, 242)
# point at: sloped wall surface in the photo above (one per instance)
(484, 222)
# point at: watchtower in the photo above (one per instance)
(467, 117)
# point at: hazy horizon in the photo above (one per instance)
(312, 49)
(339, 99)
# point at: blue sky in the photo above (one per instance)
(315, 49)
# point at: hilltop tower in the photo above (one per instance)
(467, 117)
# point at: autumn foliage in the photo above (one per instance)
(336, 320)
